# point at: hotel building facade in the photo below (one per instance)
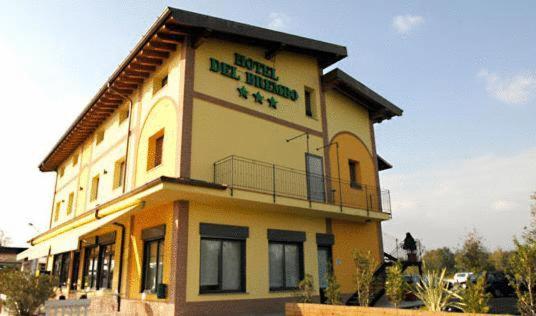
(217, 166)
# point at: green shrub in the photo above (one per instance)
(395, 285)
(25, 292)
(433, 292)
(306, 289)
(333, 293)
(474, 299)
(365, 264)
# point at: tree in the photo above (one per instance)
(474, 299)
(306, 289)
(4, 239)
(473, 256)
(523, 280)
(395, 285)
(365, 264)
(522, 267)
(438, 259)
(25, 292)
(499, 259)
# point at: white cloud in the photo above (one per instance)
(278, 21)
(517, 89)
(404, 24)
(442, 203)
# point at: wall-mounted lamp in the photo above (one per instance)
(105, 172)
(81, 189)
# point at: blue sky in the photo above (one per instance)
(463, 71)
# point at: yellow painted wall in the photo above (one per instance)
(219, 132)
(295, 71)
(95, 159)
(344, 114)
(145, 219)
(163, 116)
(351, 148)
(257, 267)
(350, 236)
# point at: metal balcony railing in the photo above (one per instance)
(247, 174)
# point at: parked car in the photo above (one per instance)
(498, 285)
(463, 277)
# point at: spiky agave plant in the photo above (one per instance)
(433, 291)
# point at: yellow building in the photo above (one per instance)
(216, 167)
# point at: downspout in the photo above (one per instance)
(130, 104)
(121, 254)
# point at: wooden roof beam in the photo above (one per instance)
(168, 38)
(131, 80)
(173, 28)
(140, 67)
(136, 74)
(154, 53)
(157, 45)
(148, 61)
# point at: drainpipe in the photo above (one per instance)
(121, 254)
(130, 105)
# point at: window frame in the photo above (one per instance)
(155, 150)
(60, 267)
(70, 203)
(100, 261)
(211, 289)
(308, 100)
(301, 264)
(353, 169)
(119, 172)
(85, 276)
(146, 246)
(57, 211)
(94, 194)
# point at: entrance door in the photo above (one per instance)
(324, 268)
(315, 178)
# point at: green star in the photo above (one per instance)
(258, 97)
(272, 102)
(243, 92)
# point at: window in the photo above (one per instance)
(286, 259)
(57, 211)
(75, 160)
(61, 267)
(155, 150)
(153, 264)
(285, 265)
(223, 253)
(100, 136)
(163, 82)
(355, 174)
(76, 266)
(159, 83)
(222, 265)
(153, 258)
(70, 203)
(308, 103)
(62, 171)
(325, 265)
(123, 115)
(90, 267)
(94, 188)
(119, 173)
(106, 266)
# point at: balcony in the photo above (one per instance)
(256, 176)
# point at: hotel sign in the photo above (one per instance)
(257, 75)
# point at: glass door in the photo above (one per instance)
(315, 178)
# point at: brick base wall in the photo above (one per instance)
(293, 309)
